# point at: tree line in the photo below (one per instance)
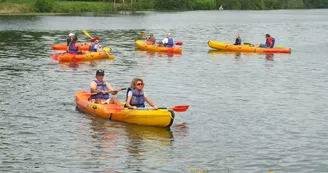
(239, 4)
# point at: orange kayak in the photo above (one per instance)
(86, 56)
(148, 117)
(246, 48)
(142, 45)
(65, 47)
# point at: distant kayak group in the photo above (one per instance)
(93, 50)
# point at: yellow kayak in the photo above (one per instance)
(143, 45)
(160, 118)
(245, 48)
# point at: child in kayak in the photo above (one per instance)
(94, 45)
(238, 40)
(136, 97)
(102, 89)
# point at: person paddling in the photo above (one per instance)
(73, 47)
(238, 40)
(168, 41)
(70, 38)
(102, 90)
(269, 43)
(94, 45)
(151, 39)
(136, 97)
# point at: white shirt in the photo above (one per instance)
(166, 40)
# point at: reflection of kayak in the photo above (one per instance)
(245, 48)
(160, 118)
(86, 56)
(140, 44)
(65, 47)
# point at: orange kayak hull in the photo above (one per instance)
(87, 56)
(245, 48)
(65, 47)
(159, 118)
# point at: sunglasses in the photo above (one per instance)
(139, 84)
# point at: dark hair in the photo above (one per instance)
(267, 35)
(100, 72)
(74, 38)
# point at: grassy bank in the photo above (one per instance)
(52, 6)
(107, 6)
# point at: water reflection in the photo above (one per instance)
(138, 146)
(237, 56)
(143, 54)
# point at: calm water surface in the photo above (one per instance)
(248, 112)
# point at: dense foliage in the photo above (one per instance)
(106, 6)
(238, 4)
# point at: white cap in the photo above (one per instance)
(70, 34)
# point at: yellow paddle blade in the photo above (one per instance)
(142, 34)
(86, 33)
(107, 49)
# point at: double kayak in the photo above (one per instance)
(65, 47)
(159, 118)
(143, 45)
(86, 56)
(245, 48)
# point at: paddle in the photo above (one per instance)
(176, 43)
(87, 34)
(90, 94)
(181, 108)
(107, 50)
(143, 34)
(248, 43)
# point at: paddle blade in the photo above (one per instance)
(107, 49)
(180, 108)
(179, 43)
(142, 34)
(87, 34)
(55, 57)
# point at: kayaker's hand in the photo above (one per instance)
(102, 92)
(155, 107)
(114, 92)
(118, 89)
(134, 107)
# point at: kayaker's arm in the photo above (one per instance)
(128, 103)
(93, 89)
(111, 90)
(150, 103)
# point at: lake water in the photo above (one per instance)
(248, 112)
